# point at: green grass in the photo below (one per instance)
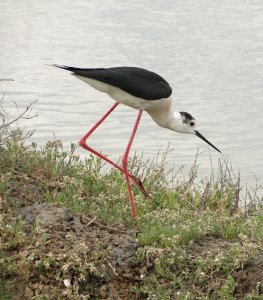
(4, 292)
(172, 223)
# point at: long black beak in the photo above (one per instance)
(204, 139)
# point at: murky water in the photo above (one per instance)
(211, 52)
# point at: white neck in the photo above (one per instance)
(162, 113)
(168, 119)
(175, 123)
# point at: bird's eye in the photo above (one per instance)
(192, 124)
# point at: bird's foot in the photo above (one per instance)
(139, 184)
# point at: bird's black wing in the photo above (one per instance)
(138, 82)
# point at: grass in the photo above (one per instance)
(194, 239)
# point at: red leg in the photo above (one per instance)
(84, 144)
(125, 163)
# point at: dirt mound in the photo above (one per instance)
(250, 277)
(210, 245)
(73, 256)
(22, 190)
(120, 245)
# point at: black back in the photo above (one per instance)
(135, 81)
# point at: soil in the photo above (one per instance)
(210, 245)
(112, 276)
(248, 279)
(117, 272)
(72, 256)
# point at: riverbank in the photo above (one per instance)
(66, 232)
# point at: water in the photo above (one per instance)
(209, 51)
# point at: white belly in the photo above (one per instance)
(124, 97)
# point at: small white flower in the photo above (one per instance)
(67, 283)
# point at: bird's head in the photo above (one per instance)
(186, 123)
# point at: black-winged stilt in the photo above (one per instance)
(144, 91)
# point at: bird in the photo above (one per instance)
(142, 90)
